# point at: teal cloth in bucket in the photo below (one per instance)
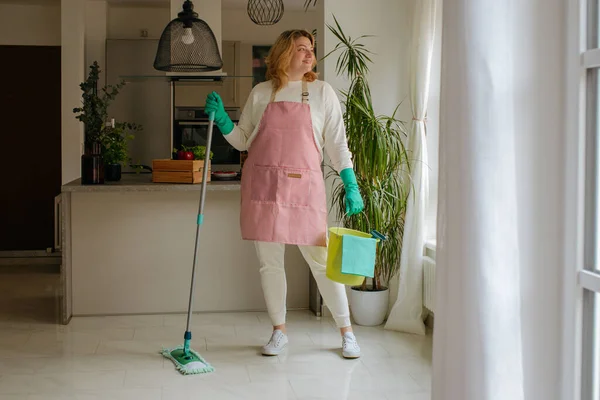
(358, 255)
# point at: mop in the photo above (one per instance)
(186, 360)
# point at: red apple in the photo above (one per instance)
(185, 155)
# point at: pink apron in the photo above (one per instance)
(283, 190)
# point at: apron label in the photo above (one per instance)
(297, 176)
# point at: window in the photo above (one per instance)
(589, 275)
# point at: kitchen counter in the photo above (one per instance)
(127, 248)
(143, 183)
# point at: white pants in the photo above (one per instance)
(272, 274)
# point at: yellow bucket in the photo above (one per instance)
(334, 256)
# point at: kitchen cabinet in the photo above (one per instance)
(128, 249)
(193, 94)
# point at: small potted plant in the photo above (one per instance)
(114, 140)
(93, 114)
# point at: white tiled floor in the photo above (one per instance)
(116, 358)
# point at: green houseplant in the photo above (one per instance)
(105, 143)
(380, 164)
(114, 140)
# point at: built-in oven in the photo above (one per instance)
(191, 129)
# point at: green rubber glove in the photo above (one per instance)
(354, 201)
(222, 120)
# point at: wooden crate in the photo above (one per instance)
(178, 171)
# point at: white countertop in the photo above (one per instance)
(143, 183)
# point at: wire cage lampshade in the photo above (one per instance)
(188, 44)
(265, 12)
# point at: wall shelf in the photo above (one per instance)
(181, 78)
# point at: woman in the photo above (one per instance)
(285, 124)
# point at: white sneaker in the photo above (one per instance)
(350, 347)
(276, 344)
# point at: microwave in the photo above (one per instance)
(191, 129)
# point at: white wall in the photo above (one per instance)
(95, 36)
(389, 22)
(30, 25)
(126, 22)
(72, 74)
(83, 42)
(237, 26)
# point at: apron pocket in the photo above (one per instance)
(264, 184)
(294, 187)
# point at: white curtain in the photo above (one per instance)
(407, 313)
(500, 210)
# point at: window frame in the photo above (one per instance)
(581, 282)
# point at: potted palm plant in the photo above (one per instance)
(381, 166)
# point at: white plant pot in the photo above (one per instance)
(369, 308)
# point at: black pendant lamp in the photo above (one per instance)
(265, 12)
(188, 45)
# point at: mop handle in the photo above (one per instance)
(211, 118)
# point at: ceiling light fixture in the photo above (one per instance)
(188, 44)
(265, 12)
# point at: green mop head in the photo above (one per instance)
(186, 360)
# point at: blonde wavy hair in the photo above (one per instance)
(279, 58)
